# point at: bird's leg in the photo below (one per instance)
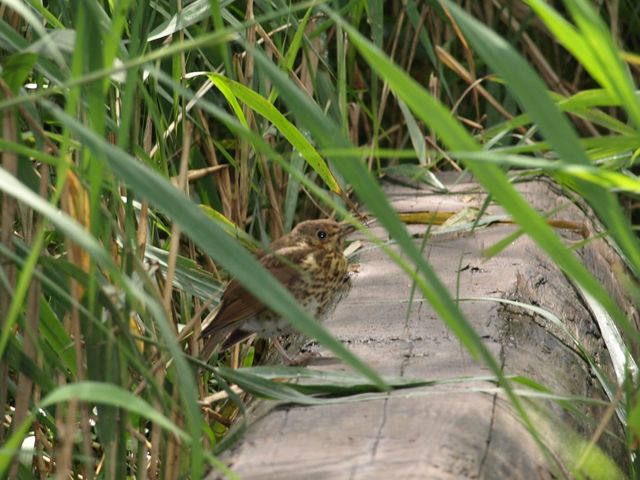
(298, 360)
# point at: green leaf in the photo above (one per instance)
(189, 15)
(115, 396)
(296, 138)
(12, 186)
(16, 69)
(11, 446)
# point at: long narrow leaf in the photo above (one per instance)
(213, 240)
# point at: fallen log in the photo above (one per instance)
(463, 429)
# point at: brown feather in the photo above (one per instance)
(238, 305)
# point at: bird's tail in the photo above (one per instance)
(216, 338)
(222, 340)
(211, 340)
(212, 344)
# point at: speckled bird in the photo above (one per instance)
(309, 261)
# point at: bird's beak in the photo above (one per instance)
(346, 228)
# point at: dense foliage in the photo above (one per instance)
(146, 144)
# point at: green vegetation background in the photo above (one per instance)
(145, 145)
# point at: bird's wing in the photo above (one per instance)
(238, 305)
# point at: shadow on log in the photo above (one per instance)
(467, 429)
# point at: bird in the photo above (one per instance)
(308, 261)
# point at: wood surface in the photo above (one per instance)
(460, 430)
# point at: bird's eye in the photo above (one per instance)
(322, 234)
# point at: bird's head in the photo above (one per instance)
(322, 233)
